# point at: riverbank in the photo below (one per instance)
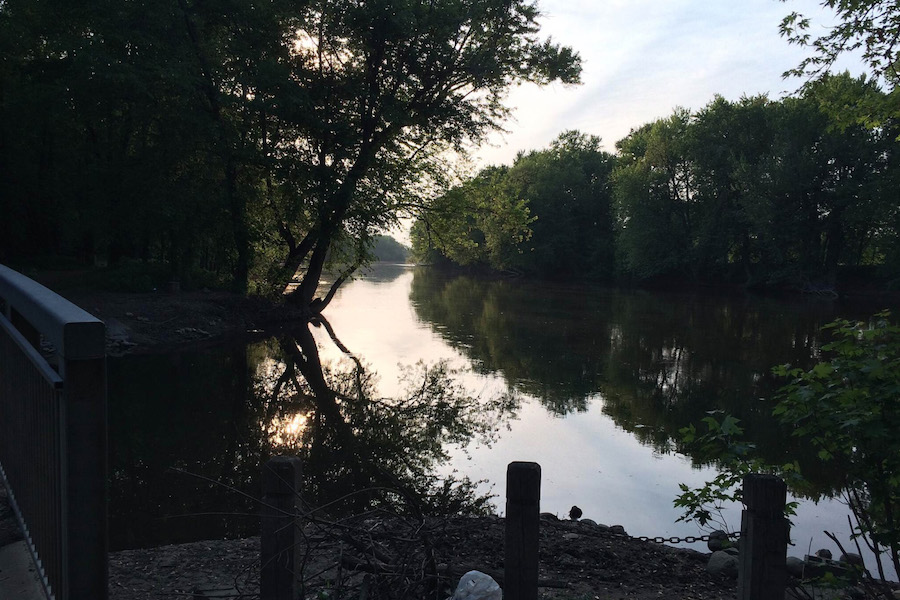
(156, 322)
(579, 560)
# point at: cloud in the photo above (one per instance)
(643, 58)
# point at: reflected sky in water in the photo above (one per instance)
(586, 458)
(600, 381)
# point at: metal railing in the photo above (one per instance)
(53, 434)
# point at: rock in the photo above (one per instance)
(475, 585)
(852, 558)
(823, 553)
(617, 529)
(857, 592)
(546, 516)
(213, 591)
(590, 522)
(732, 551)
(718, 540)
(722, 563)
(575, 513)
(570, 536)
(795, 566)
(9, 531)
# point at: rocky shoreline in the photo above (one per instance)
(140, 323)
(578, 560)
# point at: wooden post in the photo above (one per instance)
(523, 507)
(279, 554)
(762, 574)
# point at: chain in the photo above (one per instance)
(690, 539)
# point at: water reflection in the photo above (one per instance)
(360, 451)
(656, 361)
(612, 361)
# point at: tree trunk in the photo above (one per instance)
(240, 231)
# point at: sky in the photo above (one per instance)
(643, 58)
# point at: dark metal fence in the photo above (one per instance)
(53, 433)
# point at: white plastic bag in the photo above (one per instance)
(475, 585)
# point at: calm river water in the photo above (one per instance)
(592, 383)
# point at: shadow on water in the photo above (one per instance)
(191, 430)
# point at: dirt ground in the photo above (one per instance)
(578, 561)
(155, 322)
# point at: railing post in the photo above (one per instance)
(84, 422)
(279, 553)
(523, 507)
(762, 573)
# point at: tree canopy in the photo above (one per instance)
(868, 29)
(755, 192)
(246, 138)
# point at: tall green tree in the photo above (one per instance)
(567, 190)
(654, 190)
(478, 223)
(379, 90)
(260, 138)
(869, 29)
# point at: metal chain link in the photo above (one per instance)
(689, 539)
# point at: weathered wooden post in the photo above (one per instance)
(279, 553)
(762, 574)
(523, 508)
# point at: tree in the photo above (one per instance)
(374, 93)
(567, 190)
(869, 28)
(654, 191)
(264, 138)
(110, 145)
(477, 223)
(846, 408)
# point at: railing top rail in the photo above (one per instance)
(76, 334)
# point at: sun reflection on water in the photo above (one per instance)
(289, 429)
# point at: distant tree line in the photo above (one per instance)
(388, 249)
(789, 193)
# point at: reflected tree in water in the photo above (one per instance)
(190, 431)
(655, 362)
(362, 451)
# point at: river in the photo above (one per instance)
(592, 383)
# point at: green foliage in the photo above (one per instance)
(721, 441)
(477, 223)
(848, 407)
(388, 249)
(756, 192)
(567, 190)
(867, 27)
(654, 191)
(548, 214)
(245, 138)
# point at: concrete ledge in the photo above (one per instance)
(18, 575)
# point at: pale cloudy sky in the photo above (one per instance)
(643, 58)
